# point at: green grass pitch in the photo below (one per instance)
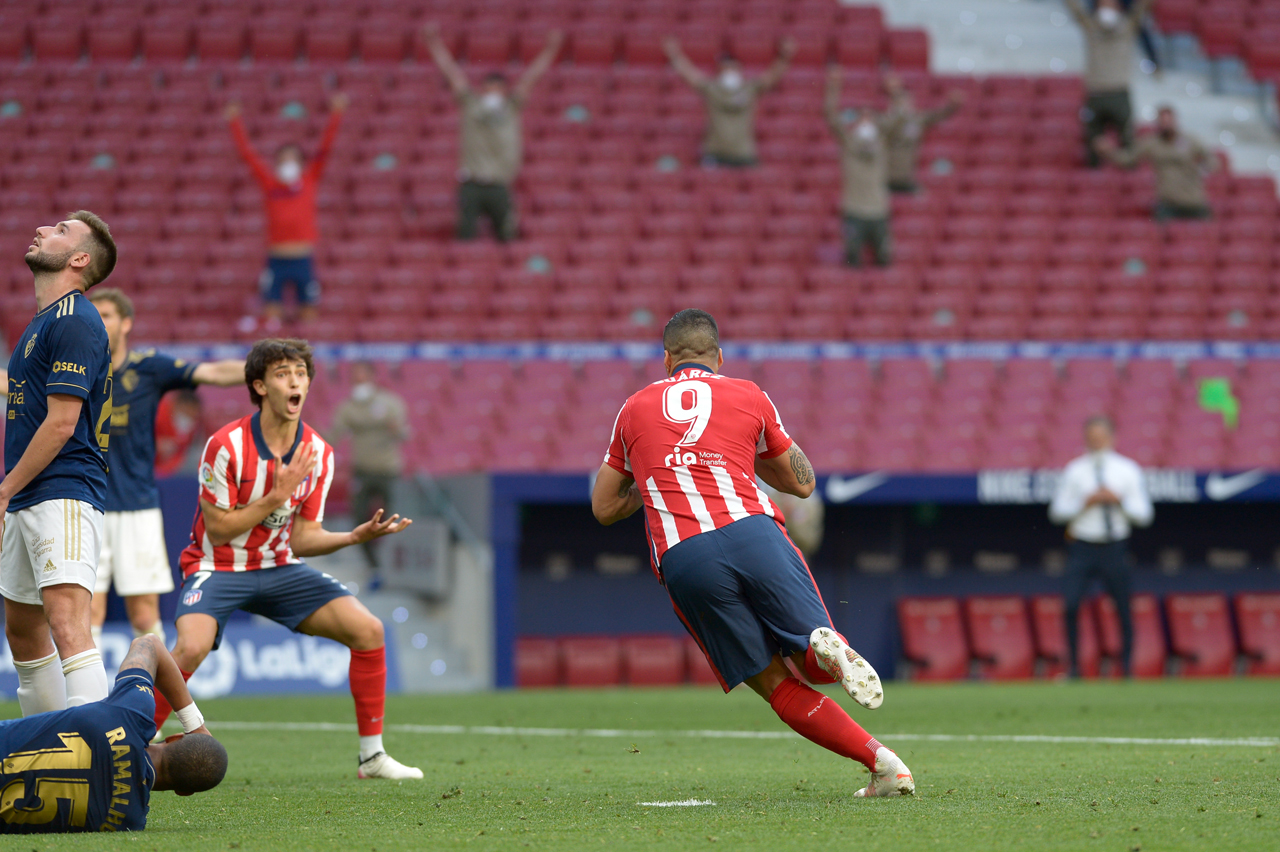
(978, 787)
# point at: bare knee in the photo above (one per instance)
(189, 652)
(367, 634)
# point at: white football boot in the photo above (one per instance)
(383, 765)
(849, 670)
(891, 778)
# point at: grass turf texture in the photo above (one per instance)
(297, 790)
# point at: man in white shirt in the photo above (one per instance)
(1101, 496)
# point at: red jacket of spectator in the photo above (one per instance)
(291, 210)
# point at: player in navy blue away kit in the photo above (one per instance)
(133, 549)
(91, 768)
(54, 491)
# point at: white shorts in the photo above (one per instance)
(134, 554)
(49, 544)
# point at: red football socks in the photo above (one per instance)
(162, 704)
(368, 677)
(818, 718)
(813, 671)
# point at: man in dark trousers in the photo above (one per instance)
(1100, 497)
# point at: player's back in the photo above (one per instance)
(691, 442)
(81, 769)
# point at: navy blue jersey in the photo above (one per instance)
(136, 391)
(81, 769)
(64, 350)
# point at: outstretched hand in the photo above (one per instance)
(339, 102)
(788, 48)
(835, 74)
(432, 32)
(232, 112)
(375, 527)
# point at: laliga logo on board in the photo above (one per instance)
(246, 664)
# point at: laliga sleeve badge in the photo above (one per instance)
(206, 475)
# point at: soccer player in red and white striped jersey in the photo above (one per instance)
(263, 484)
(687, 450)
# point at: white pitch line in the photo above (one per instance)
(614, 733)
(687, 803)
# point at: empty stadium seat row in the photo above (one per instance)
(1009, 638)
(646, 660)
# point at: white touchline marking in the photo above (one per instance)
(613, 733)
(687, 803)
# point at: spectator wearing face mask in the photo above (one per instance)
(864, 166)
(289, 190)
(906, 131)
(731, 100)
(376, 421)
(1109, 33)
(1180, 164)
(492, 139)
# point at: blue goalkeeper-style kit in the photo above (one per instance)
(81, 769)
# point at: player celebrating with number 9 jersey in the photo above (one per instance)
(687, 450)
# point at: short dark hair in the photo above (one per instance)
(691, 333)
(1100, 420)
(116, 296)
(102, 248)
(727, 57)
(271, 351)
(495, 77)
(195, 763)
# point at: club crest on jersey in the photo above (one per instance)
(31, 344)
(303, 491)
(192, 597)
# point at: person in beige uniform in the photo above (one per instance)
(907, 129)
(864, 166)
(1109, 35)
(731, 100)
(376, 420)
(1180, 164)
(492, 140)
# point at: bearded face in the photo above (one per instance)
(39, 260)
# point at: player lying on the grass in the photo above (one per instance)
(264, 480)
(696, 441)
(91, 768)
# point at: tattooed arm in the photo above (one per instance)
(149, 654)
(790, 472)
(615, 496)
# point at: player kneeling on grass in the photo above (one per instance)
(696, 441)
(263, 483)
(90, 768)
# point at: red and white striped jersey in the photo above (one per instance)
(690, 442)
(237, 468)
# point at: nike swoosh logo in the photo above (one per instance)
(1218, 487)
(840, 490)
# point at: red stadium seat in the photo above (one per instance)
(653, 660)
(591, 661)
(1258, 618)
(1000, 636)
(1049, 628)
(113, 41)
(933, 638)
(1200, 634)
(1149, 653)
(537, 662)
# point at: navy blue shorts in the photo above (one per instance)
(286, 595)
(745, 594)
(300, 271)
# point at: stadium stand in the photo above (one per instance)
(933, 638)
(1149, 648)
(1200, 634)
(1048, 627)
(1258, 620)
(1000, 636)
